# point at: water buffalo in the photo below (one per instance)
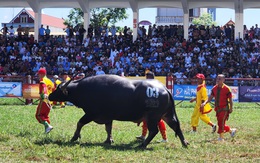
(105, 98)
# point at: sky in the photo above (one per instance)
(222, 16)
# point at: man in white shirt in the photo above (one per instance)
(196, 49)
(113, 54)
(100, 71)
(183, 79)
(188, 59)
(178, 76)
(11, 31)
(168, 58)
(66, 49)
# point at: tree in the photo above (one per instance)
(99, 16)
(205, 19)
(75, 17)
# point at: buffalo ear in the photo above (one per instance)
(65, 92)
(63, 87)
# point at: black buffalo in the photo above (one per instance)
(106, 98)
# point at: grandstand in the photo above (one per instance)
(161, 49)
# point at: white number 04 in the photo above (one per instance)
(152, 92)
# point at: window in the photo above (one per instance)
(24, 19)
(191, 14)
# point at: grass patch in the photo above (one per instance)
(22, 138)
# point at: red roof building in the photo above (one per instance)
(25, 18)
(230, 23)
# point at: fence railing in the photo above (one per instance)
(209, 81)
(243, 89)
(228, 81)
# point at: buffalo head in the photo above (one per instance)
(61, 92)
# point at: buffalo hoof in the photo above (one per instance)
(185, 144)
(109, 141)
(75, 138)
(141, 146)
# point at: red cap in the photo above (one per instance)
(200, 76)
(42, 71)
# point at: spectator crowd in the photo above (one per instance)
(163, 50)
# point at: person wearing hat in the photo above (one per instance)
(80, 76)
(161, 124)
(201, 112)
(44, 106)
(65, 77)
(56, 83)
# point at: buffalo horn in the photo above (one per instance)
(63, 87)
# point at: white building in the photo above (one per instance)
(175, 16)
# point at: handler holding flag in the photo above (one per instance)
(161, 124)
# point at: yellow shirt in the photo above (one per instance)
(57, 82)
(67, 79)
(49, 84)
(202, 95)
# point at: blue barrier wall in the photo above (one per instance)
(187, 92)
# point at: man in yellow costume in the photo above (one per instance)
(65, 78)
(201, 112)
(49, 84)
(56, 83)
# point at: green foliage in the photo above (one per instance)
(12, 101)
(205, 19)
(99, 16)
(120, 29)
(75, 17)
(22, 138)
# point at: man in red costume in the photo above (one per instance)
(161, 124)
(223, 106)
(44, 106)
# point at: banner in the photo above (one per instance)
(31, 91)
(10, 89)
(249, 94)
(187, 92)
(234, 91)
